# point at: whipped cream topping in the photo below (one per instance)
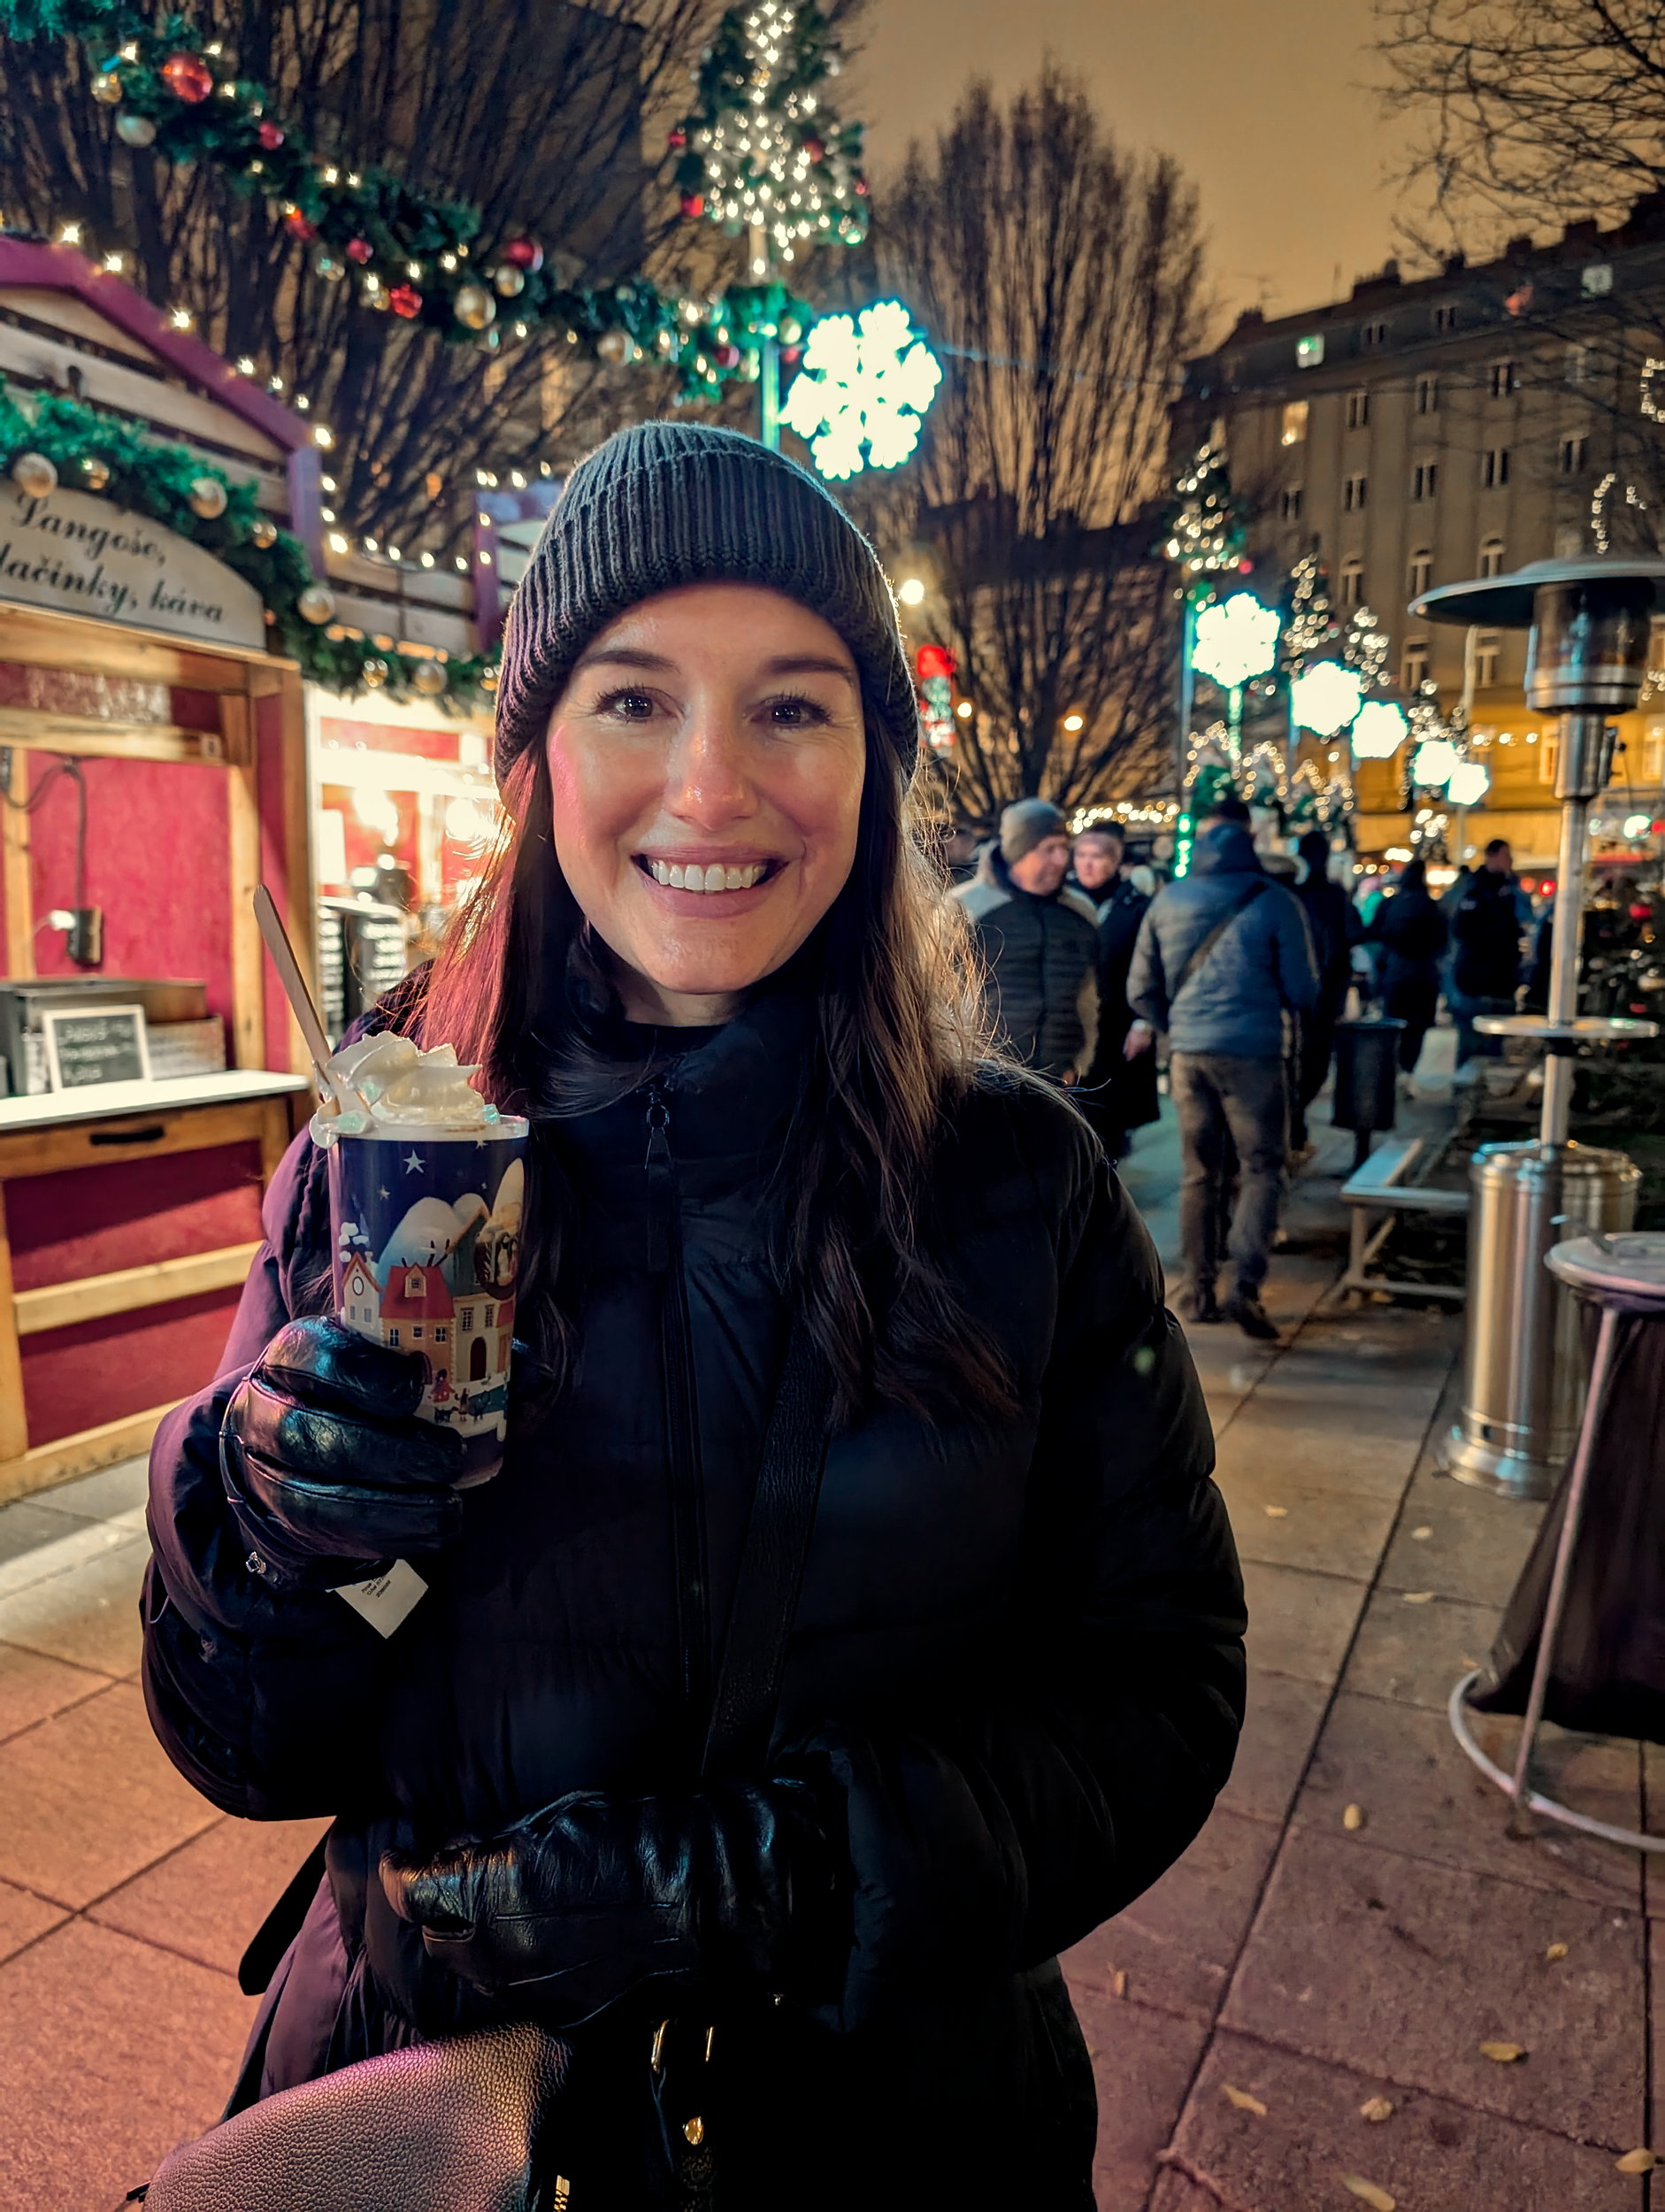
(404, 1086)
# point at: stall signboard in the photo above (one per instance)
(81, 555)
(103, 1045)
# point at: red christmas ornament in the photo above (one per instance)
(188, 77)
(677, 140)
(523, 253)
(861, 187)
(935, 660)
(270, 136)
(359, 250)
(728, 356)
(406, 300)
(693, 206)
(790, 357)
(298, 226)
(815, 149)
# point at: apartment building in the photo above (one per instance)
(1424, 431)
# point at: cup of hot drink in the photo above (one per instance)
(426, 1195)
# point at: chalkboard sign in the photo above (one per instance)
(100, 1045)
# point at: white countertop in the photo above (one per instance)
(98, 1101)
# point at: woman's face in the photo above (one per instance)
(710, 737)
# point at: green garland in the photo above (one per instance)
(410, 257)
(95, 451)
(759, 146)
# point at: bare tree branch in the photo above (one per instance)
(1059, 279)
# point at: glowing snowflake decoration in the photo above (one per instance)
(863, 389)
(1236, 639)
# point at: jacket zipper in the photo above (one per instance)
(687, 1492)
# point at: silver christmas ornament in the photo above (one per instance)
(136, 130)
(316, 603)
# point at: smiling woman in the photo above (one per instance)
(785, 1210)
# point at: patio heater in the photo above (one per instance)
(1523, 1380)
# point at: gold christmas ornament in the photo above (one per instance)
(208, 497)
(136, 130)
(374, 673)
(511, 283)
(473, 306)
(488, 682)
(617, 346)
(316, 603)
(107, 89)
(95, 473)
(35, 476)
(429, 678)
(328, 266)
(263, 533)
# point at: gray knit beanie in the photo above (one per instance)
(1025, 824)
(664, 504)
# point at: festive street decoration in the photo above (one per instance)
(1237, 639)
(1379, 730)
(759, 151)
(1469, 783)
(1434, 763)
(416, 260)
(862, 392)
(1205, 532)
(1309, 624)
(52, 440)
(1366, 646)
(1325, 697)
(935, 668)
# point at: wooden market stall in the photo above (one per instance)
(152, 763)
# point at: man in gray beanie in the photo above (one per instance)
(1039, 941)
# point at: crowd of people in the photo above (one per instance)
(1236, 975)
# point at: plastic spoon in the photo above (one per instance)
(348, 1100)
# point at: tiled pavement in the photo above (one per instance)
(1287, 1959)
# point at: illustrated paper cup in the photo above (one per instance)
(425, 1227)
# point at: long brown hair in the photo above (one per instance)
(900, 1035)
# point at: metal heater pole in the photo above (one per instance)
(1582, 743)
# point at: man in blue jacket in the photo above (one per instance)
(1223, 956)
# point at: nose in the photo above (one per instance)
(709, 783)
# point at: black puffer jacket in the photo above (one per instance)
(1040, 955)
(1019, 1655)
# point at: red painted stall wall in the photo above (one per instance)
(157, 863)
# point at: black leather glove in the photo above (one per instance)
(327, 1471)
(588, 1899)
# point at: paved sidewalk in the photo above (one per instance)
(1289, 1959)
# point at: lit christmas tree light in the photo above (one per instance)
(862, 392)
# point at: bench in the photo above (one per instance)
(1383, 1186)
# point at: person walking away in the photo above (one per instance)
(766, 1143)
(1118, 1092)
(1222, 959)
(1039, 941)
(1411, 930)
(1331, 925)
(1485, 951)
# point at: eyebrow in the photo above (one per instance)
(784, 664)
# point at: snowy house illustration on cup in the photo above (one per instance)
(416, 1315)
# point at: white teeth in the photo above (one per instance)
(717, 877)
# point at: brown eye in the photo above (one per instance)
(795, 712)
(627, 706)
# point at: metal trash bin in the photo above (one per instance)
(1366, 1096)
(1523, 1368)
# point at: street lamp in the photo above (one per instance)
(1523, 1359)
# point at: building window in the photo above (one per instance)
(1548, 756)
(416, 1330)
(1505, 379)
(392, 1338)
(1428, 395)
(1358, 410)
(1575, 449)
(1421, 571)
(1351, 585)
(1445, 319)
(1292, 503)
(1309, 351)
(1595, 279)
(1414, 668)
(1354, 491)
(465, 1319)
(1576, 367)
(1424, 480)
(1487, 646)
(1294, 421)
(1491, 557)
(1373, 334)
(1494, 466)
(1653, 753)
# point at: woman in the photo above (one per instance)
(1016, 1677)
(1411, 930)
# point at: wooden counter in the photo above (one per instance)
(94, 1127)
